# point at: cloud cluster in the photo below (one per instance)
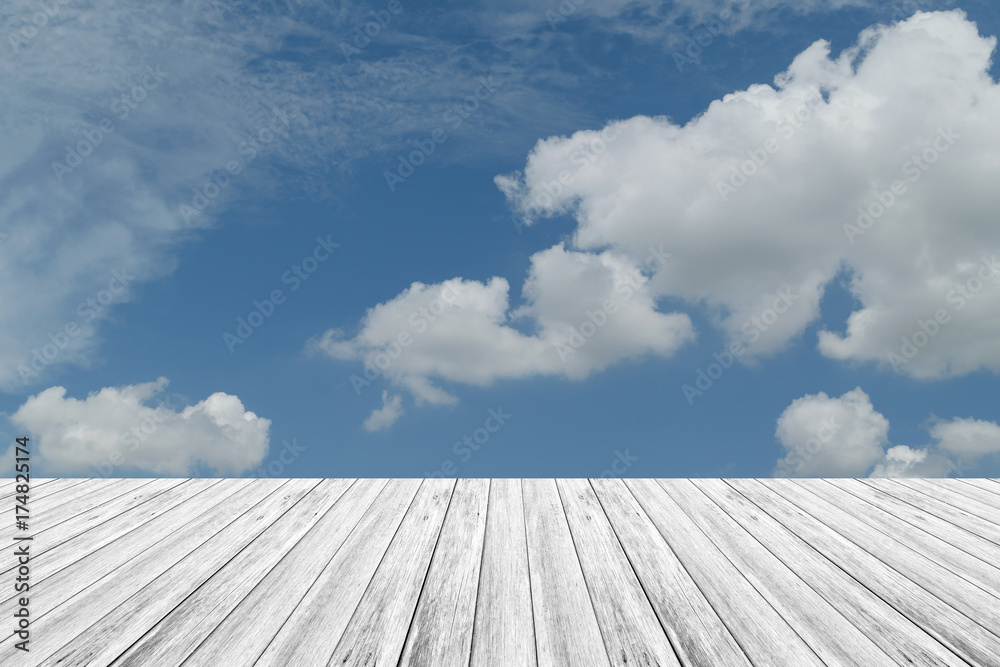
(879, 162)
(582, 313)
(126, 130)
(825, 436)
(115, 429)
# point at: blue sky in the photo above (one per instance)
(299, 133)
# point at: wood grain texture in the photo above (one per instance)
(632, 632)
(440, 633)
(247, 631)
(529, 573)
(64, 573)
(51, 533)
(8, 486)
(902, 640)
(377, 631)
(311, 633)
(908, 515)
(56, 626)
(971, 488)
(61, 502)
(127, 621)
(986, 487)
(187, 624)
(696, 631)
(765, 636)
(957, 631)
(828, 632)
(931, 505)
(566, 627)
(941, 491)
(964, 596)
(87, 533)
(945, 544)
(504, 630)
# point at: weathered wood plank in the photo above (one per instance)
(971, 489)
(173, 638)
(902, 640)
(764, 635)
(245, 633)
(222, 568)
(940, 491)
(50, 529)
(8, 485)
(974, 524)
(504, 631)
(957, 631)
(59, 618)
(129, 619)
(64, 572)
(40, 508)
(830, 635)
(533, 573)
(377, 631)
(695, 630)
(945, 544)
(566, 628)
(441, 631)
(82, 536)
(309, 636)
(908, 514)
(40, 490)
(942, 582)
(986, 487)
(43, 519)
(631, 630)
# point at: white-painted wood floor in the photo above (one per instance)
(497, 573)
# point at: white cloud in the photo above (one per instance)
(846, 437)
(583, 312)
(831, 437)
(967, 439)
(222, 71)
(899, 92)
(902, 461)
(384, 417)
(114, 431)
